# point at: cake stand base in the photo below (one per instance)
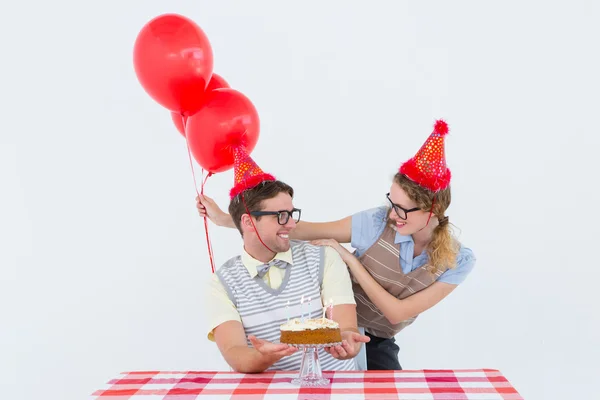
(310, 374)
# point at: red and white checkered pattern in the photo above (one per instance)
(480, 384)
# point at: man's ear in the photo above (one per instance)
(246, 223)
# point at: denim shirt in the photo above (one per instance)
(368, 225)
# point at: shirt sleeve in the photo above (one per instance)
(221, 307)
(465, 262)
(367, 226)
(337, 285)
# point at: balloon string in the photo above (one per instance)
(254, 226)
(208, 243)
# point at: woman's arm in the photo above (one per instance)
(393, 309)
(208, 208)
(340, 230)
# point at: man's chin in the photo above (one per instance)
(281, 248)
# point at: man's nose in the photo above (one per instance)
(291, 224)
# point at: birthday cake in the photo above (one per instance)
(310, 331)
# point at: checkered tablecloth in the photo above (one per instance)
(480, 384)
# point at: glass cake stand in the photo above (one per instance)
(310, 368)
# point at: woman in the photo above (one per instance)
(406, 258)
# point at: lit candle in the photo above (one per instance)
(324, 309)
(308, 311)
(330, 309)
(302, 308)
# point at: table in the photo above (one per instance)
(471, 384)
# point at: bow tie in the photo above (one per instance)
(263, 268)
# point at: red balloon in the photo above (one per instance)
(173, 61)
(179, 120)
(228, 119)
(216, 82)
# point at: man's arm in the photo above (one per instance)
(345, 316)
(226, 329)
(231, 340)
(337, 287)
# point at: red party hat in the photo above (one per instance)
(246, 173)
(428, 167)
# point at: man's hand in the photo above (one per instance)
(351, 342)
(268, 349)
(231, 339)
(208, 208)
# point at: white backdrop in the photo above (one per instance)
(103, 256)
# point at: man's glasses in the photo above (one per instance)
(400, 211)
(283, 216)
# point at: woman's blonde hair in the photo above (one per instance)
(443, 248)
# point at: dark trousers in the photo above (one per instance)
(382, 354)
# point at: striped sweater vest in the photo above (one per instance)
(381, 260)
(263, 309)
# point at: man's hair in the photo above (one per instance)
(253, 199)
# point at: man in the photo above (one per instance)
(251, 295)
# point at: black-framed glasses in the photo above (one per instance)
(283, 216)
(400, 211)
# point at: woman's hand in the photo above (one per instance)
(344, 253)
(208, 208)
